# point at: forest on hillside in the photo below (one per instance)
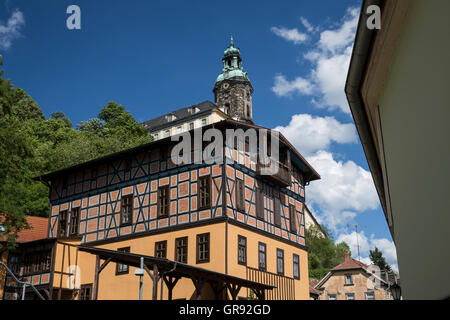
(31, 145)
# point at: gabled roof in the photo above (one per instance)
(349, 264)
(310, 173)
(180, 114)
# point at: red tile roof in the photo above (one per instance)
(313, 290)
(350, 263)
(38, 230)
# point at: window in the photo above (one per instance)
(292, 219)
(242, 250)
(74, 221)
(181, 247)
(280, 261)
(191, 126)
(62, 224)
(296, 264)
(276, 212)
(155, 136)
(45, 261)
(36, 266)
(204, 192)
(262, 256)
(204, 122)
(350, 296)
(370, 296)
(163, 201)
(161, 249)
(122, 268)
(259, 204)
(86, 292)
(178, 129)
(167, 133)
(248, 111)
(348, 280)
(126, 210)
(331, 297)
(203, 248)
(240, 202)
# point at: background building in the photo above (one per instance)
(352, 280)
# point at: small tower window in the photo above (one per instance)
(248, 111)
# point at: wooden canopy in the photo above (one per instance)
(171, 271)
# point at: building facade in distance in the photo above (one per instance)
(352, 280)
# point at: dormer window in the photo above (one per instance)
(170, 117)
(193, 110)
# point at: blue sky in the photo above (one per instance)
(157, 56)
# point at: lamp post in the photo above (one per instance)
(140, 273)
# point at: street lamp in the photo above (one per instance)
(396, 291)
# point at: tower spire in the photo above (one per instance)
(232, 90)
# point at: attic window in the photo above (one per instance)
(193, 110)
(170, 117)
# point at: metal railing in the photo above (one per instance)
(25, 284)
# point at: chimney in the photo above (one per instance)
(346, 256)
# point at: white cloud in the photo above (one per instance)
(282, 87)
(290, 34)
(344, 190)
(366, 244)
(11, 29)
(307, 25)
(309, 134)
(330, 60)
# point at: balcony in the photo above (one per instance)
(281, 177)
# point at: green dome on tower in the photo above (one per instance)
(232, 64)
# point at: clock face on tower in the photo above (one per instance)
(225, 85)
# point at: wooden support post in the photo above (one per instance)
(198, 283)
(234, 290)
(170, 283)
(155, 278)
(218, 289)
(96, 274)
(155, 281)
(98, 268)
(260, 293)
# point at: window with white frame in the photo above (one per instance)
(350, 296)
(370, 296)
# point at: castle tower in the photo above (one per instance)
(232, 90)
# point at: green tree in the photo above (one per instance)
(323, 252)
(15, 149)
(31, 145)
(376, 256)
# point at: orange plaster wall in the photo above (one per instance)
(112, 286)
(301, 286)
